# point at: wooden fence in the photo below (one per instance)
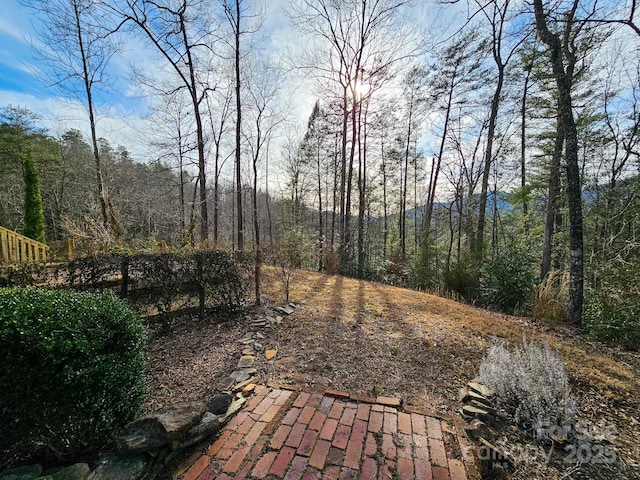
(16, 248)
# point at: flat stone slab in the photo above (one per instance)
(219, 404)
(240, 376)
(161, 427)
(241, 385)
(246, 361)
(119, 468)
(248, 388)
(389, 401)
(288, 310)
(235, 406)
(225, 384)
(481, 389)
(209, 425)
(79, 471)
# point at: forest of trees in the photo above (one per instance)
(496, 159)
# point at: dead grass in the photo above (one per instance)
(369, 338)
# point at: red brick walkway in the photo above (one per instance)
(331, 435)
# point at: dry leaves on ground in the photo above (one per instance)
(373, 339)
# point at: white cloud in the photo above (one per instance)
(59, 115)
(11, 29)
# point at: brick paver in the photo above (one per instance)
(329, 435)
(281, 463)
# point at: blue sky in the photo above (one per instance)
(16, 55)
(21, 85)
(122, 122)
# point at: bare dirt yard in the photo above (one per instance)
(370, 338)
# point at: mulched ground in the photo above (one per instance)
(372, 339)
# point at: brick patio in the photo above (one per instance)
(332, 435)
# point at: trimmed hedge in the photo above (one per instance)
(71, 368)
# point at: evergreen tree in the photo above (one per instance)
(16, 132)
(33, 211)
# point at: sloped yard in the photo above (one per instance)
(373, 339)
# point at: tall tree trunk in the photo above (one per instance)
(267, 199)
(407, 152)
(415, 201)
(488, 160)
(256, 227)
(552, 197)
(385, 233)
(435, 170)
(349, 186)
(342, 223)
(563, 74)
(334, 196)
(320, 224)
(202, 166)
(92, 120)
(216, 197)
(238, 179)
(523, 147)
(362, 185)
(403, 207)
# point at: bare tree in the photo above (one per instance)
(353, 44)
(263, 118)
(173, 122)
(220, 110)
(496, 12)
(458, 72)
(182, 35)
(237, 13)
(76, 45)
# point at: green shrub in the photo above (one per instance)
(462, 278)
(424, 273)
(507, 281)
(72, 368)
(614, 318)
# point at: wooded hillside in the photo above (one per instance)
(495, 159)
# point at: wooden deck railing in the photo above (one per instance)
(16, 248)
